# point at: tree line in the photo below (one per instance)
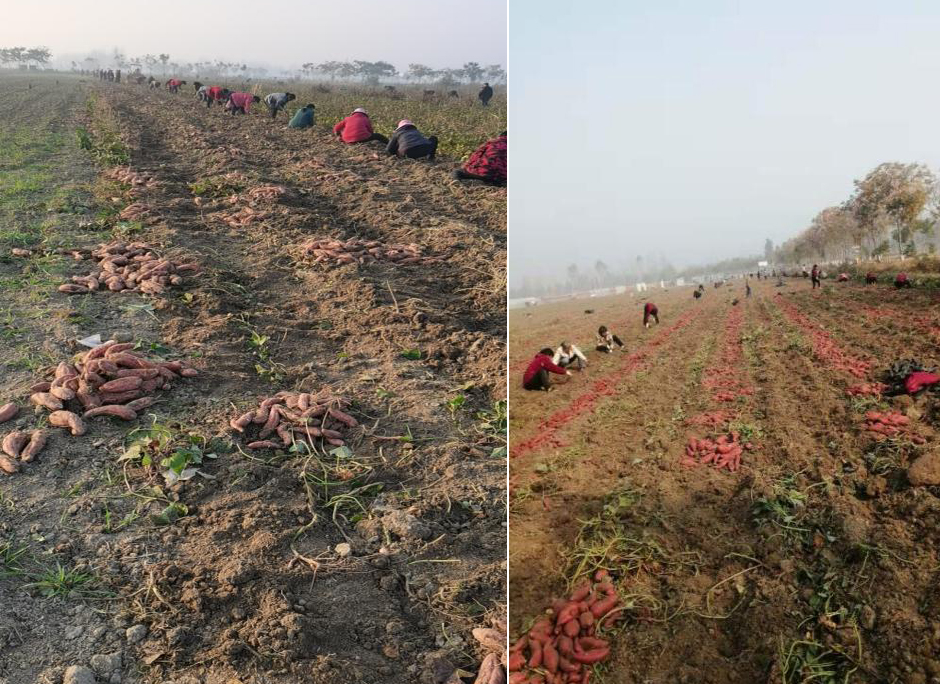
(359, 70)
(597, 276)
(895, 209)
(25, 57)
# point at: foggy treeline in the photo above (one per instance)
(163, 64)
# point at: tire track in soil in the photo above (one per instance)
(239, 536)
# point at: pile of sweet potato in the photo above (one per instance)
(138, 211)
(493, 641)
(134, 266)
(124, 174)
(261, 193)
(867, 389)
(109, 380)
(884, 424)
(20, 447)
(295, 417)
(243, 218)
(562, 648)
(724, 452)
(357, 251)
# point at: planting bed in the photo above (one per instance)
(165, 549)
(813, 561)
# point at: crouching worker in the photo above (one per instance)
(902, 281)
(240, 103)
(216, 94)
(536, 376)
(650, 311)
(606, 340)
(357, 128)
(407, 141)
(277, 101)
(487, 163)
(870, 278)
(569, 355)
(304, 118)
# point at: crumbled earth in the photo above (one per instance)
(818, 555)
(369, 564)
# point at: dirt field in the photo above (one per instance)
(816, 560)
(369, 563)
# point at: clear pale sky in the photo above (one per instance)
(698, 129)
(439, 33)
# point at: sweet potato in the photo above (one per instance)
(8, 466)
(550, 658)
(139, 404)
(62, 393)
(37, 442)
(593, 656)
(88, 400)
(46, 400)
(67, 419)
(127, 360)
(119, 397)
(189, 372)
(142, 373)
(535, 658)
(72, 288)
(344, 418)
(490, 639)
(240, 422)
(13, 443)
(603, 607)
(40, 387)
(112, 410)
(99, 351)
(117, 348)
(516, 661)
(263, 444)
(8, 411)
(126, 384)
(571, 629)
(273, 417)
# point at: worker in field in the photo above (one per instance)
(277, 101)
(407, 141)
(569, 355)
(747, 289)
(487, 163)
(357, 128)
(870, 278)
(240, 103)
(606, 340)
(173, 85)
(901, 281)
(536, 376)
(197, 86)
(216, 94)
(485, 94)
(697, 294)
(650, 312)
(843, 278)
(814, 276)
(305, 117)
(202, 93)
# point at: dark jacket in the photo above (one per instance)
(404, 139)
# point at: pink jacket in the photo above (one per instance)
(243, 100)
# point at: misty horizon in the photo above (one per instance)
(297, 33)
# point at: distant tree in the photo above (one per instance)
(573, 276)
(495, 74)
(419, 72)
(603, 273)
(769, 251)
(472, 71)
(164, 59)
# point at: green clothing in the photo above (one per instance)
(302, 119)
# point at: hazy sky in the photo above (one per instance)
(439, 33)
(698, 129)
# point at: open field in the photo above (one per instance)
(315, 561)
(815, 560)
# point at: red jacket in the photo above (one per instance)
(489, 160)
(215, 92)
(650, 309)
(538, 363)
(902, 278)
(243, 100)
(354, 128)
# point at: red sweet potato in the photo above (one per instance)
(69, 420)
(37, 441)
(8, 411)
(13, 443)
(112, 410)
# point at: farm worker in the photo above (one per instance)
(240, 103)
(487, 163)
(197, 86)
(918, 380)
(202, 93)
(357, 128)
(747, 288)
(814, 275)
(650, 311)
(871, 278)
(569, 355)
(485, 94)
(216, 94)
(697, 294)
(606, 340)
(536, 375)
(173, 85)
(277, 101)
(304, 118)
(843, 278)
(407, 141)
(901, 281)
